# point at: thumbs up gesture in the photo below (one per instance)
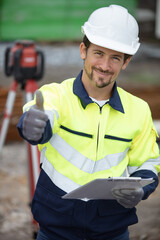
(35, 120)
(39, 100)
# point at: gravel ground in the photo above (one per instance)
(15, 216)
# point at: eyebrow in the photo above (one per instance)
(114, 55)
(98, 50)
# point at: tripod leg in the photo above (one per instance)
(7, 113)
(31, 181)
(33, 155)
(31, 87)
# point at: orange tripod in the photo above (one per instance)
(22, 61)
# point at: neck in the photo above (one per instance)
(98, 93)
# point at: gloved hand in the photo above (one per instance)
(35, 120)
(128, 198)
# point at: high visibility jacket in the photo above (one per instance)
(90, 142)
(83, 142)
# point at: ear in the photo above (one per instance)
(126, 63)
(83, 51)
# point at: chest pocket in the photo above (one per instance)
(118, 138)
(76, 132)
(116, 143)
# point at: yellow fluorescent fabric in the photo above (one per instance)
(90, 143)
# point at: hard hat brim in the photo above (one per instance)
(111, 44)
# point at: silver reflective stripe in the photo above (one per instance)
(148, 165)
(27, 108)
(50, 114)
(43, 151)
(80, 161)
(57, 178)
(132, 169)
(125, 173)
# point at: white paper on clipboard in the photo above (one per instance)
(102, 188)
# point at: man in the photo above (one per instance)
(92, 129)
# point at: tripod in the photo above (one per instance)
(26, 64)
(33, 153)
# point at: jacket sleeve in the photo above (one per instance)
(144, 158)
(147, 174)
(51, 103)
(45, 137)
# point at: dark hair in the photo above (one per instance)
(86, 41)
(87, 44)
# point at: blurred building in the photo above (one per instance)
(148, 16)
(60, 20)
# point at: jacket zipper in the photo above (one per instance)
(98, 133)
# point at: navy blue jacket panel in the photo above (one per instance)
(76, 219)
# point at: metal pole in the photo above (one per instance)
(7, 113)
(31, 87)
(157, 27)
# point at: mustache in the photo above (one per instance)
(101, 70)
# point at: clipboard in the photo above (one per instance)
(102, 188)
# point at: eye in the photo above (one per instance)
(99, 53)
(116, 58)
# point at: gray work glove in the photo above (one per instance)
(128, 198)
(35, 120)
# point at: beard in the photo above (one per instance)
(101, 81)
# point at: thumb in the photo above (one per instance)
(39, 100)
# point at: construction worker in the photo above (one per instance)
(90, 129)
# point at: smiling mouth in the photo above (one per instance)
(103, 73)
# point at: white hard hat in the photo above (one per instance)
(114, 28)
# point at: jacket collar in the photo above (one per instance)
(80, 91)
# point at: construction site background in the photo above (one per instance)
(62, 61)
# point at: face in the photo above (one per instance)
(101, 65)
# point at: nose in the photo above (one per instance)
(105, 64)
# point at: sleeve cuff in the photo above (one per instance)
(45, 137)
(151, 187)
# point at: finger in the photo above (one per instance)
(134, 191)
(117, 193)
(125, 203)
(38, 130)
(35, 137)
(39, 100)
(39, 123)
(37, 114)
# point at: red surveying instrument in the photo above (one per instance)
(26, 64)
